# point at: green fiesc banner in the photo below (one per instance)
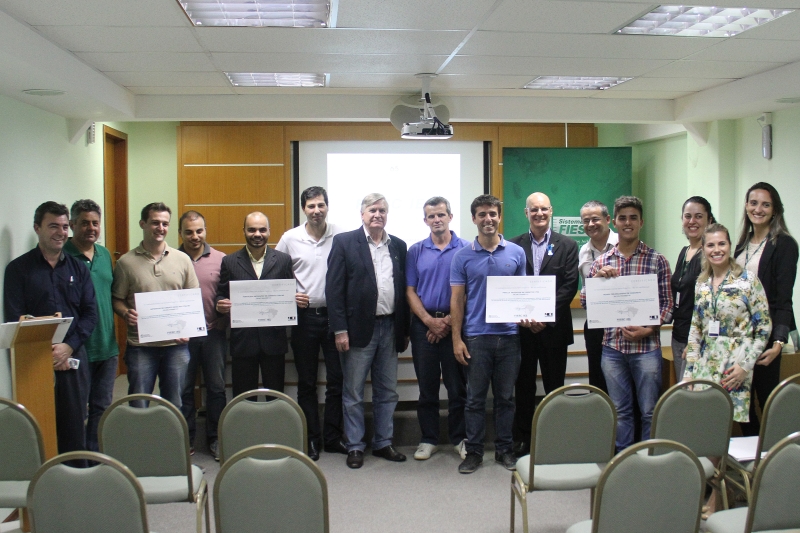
(569, 176)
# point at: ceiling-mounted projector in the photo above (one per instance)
(419, 118)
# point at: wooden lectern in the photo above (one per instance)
(32, 379)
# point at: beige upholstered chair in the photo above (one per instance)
(638, 492)
(154, 443)
(773, 507)
(100, 499)
(270, 488)
(572, 437)
(244, 423)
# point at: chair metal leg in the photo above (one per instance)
(519, 491)
(513, 497)
(591, 502)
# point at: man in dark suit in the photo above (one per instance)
(548, 254)
(254, 348)
(368, 313)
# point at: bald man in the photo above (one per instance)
(255, 348)
(544, 343)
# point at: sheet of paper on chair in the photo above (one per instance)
(744, 448)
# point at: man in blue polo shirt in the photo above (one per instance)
(490, 352)
(428, 293)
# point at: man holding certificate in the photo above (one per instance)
(153, 267)
(264, 347)
(631, 353)
(489, 350)
(544, 343)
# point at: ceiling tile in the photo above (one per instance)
(332, 40)
(182, 90)
(562, 17)
(97, 12)
(473, 81)
(642, 95)
(751, 50)
(712, 69)
(551, 66)
(169, 79)
(574, 45)
(412, 14)
(671, 84)
(148, 62)
(328, 63)
(784, 28)
(404, 82)
(111, 39)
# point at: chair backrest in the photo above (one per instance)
(698, 414)
(781, 414)
(774, 506)
(654, 493)
(270, 488)
(573, 424)
(245, 423)
(151, 441)
(107, 497)
(21, 445)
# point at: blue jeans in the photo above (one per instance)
(495, 360)
(623, 372)
(168, 363)
(207, 353)
(430, 362)
(101, 393)
(379, 358)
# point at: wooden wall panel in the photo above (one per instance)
(234, 185)
(582, 135)
(225, 223)
(232, 144)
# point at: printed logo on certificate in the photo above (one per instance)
(622, 301)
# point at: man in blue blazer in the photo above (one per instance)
(254, 348)
(368, 313)
(548, 254)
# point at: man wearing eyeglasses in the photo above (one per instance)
(544, 343)
(595, 219)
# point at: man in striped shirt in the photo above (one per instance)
(632, 354)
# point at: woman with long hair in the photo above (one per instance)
(695, 216)
(766, 248)
(730, 326)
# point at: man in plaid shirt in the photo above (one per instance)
(632, 354)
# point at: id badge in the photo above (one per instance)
(713, 328)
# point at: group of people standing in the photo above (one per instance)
(363, 294)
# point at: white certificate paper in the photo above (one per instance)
(264, 302)
(170, 315)
(515, 298)
(622, 301)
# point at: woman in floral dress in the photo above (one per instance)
(730, 326)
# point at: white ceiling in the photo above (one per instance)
(143, 60)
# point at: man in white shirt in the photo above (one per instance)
(595, 219)
(309, 245)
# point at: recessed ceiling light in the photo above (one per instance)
(282, 13)
(574, 82)
(701, 21)
(276, 79)
(43, 92)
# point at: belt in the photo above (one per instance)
(316, 310)
(390, 315)
(438, 314)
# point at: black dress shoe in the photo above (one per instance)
(390, 454)
(355, 459)
(337, 446)
(313, 450)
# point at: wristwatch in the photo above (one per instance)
(779, 342)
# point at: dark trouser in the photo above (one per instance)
(494, 359)
(101, 393)
(428, 360)
(594, 353)
(765, 379)
(207, 353)
(311, 335)
(71, 406)
(244, 371)
(546, 349)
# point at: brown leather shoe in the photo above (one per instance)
(390, 454)
(355, 459)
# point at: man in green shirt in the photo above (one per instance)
(101, 347)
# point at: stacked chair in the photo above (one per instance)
(21, 450)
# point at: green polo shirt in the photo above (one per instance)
(102, 344)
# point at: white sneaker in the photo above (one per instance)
(461, 449)
(425, 450)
